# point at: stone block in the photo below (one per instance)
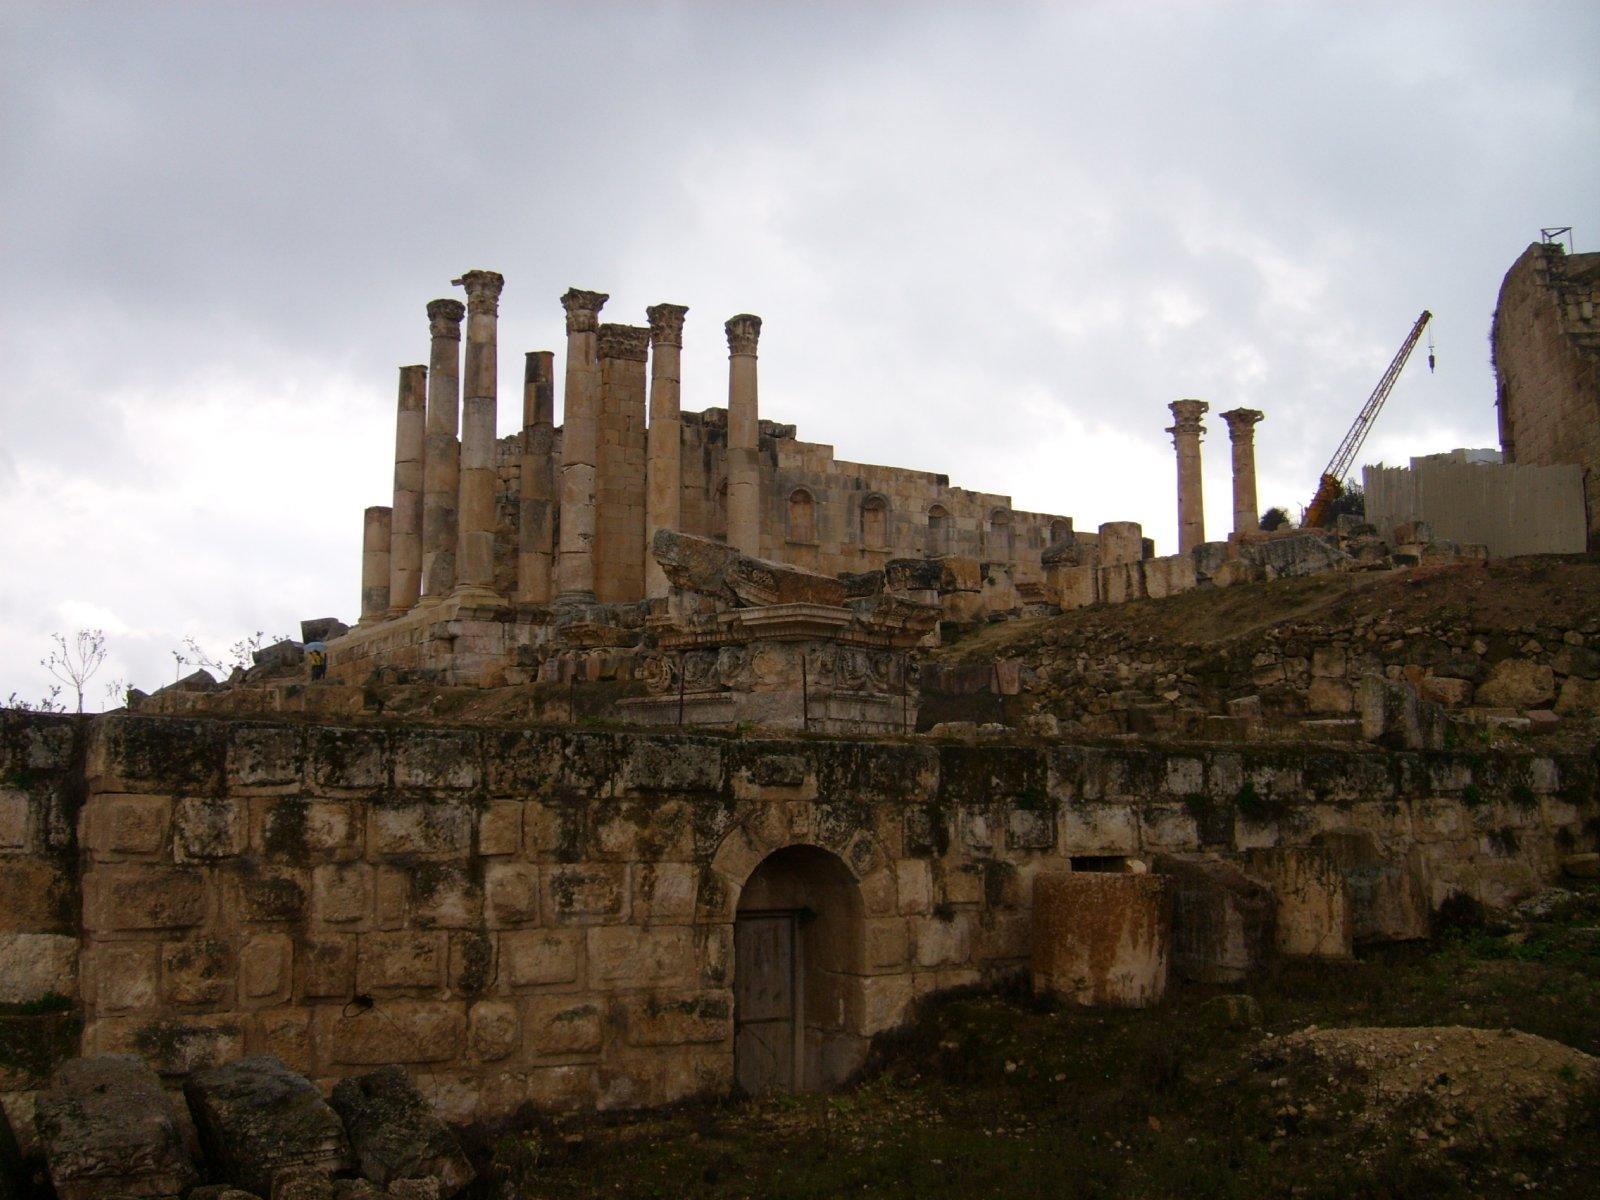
(641, 957)
(118, 825)
(1517, 683)
(255, 1118)
(348, 759)
(446, 896)
(391, 1031)
(266, 968)
(15, 820)
(500, 828)
(1388, 899)
(36, 965)
(273, 895)
(711, 568)
(1329, 696)
(327, 967)
(913, 886)
(672, 1019)
(421, 829)
(664, 892)
(1314, 917)
(513, 894)
(121, 976)
(284, 1033)
(878, 1002)
(562, 1026)
(209, 828)
(107, 1129)
(130, 897)
(197, 971)
(494, 1030)
(1451, 693)
(534, 957)
(580, 894)
(341, 892)
(1099, 829)
(405, 959)
(395, 1135)
(1101, 938)
(943, 940)
(1222, 921)
(37, 895)
(436, 760)
(172, 1044)
(673, 764)
(265, 755)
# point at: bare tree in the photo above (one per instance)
(74, 663)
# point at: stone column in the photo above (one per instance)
(375, 536)
(744, 436)
(1186, 431)
(579, 443)
(620, 465)
(664, 486)
(441, 454)
(480, 391)
(1242, 432)
(536, 511)
(405, 539)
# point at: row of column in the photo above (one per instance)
(615, 472)
(1186, 431)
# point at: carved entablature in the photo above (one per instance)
(666, 323)
(1242, 423)
(583, 309)
(483, 290)
(744, 331)
(444, 318)
(1186, 416)
(625, 341)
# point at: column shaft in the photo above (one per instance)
(375, 533)
(536, 503)
(579, 436)
(405, 542)
(475, 514)
(1242, 432)
(620, 465)
(441, 454)
(744, 425)
(1186, 431)
(664, 486)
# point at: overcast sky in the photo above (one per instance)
(986, 239)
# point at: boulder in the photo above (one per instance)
(322, 629)
(913, 574)
(1222, 920)
(713, 568)
(395, 1133)
(257, 1118)
(280, 654)
(1517, 683)
(1579, 696)
(107, 1129)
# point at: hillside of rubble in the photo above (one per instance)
(1510, 646)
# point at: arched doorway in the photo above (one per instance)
(796, 941)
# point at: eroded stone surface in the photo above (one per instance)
(395, 1134)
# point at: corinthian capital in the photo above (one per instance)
(744, 331)
(1242, 423)
(483, 290)
(625, 341)
(583, 309)
(1186, 416)
(444, 318)
(666, 323)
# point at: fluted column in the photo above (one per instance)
(441, 454)
(664, 487)
(475, 515)
(579, 442)
(744, 435)
(1186, 431)
(375, 533)
(405, 538)
(536, 511)
(1242, 433)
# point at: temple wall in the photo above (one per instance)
(546, 915)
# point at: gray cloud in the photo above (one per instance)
(988, 240)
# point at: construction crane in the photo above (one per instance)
(1339, 465)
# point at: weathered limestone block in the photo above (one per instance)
(1168, 576)
(256, 1117)
(1101, 938)
(1393, 715)
(395, 1134)
(712, 568)
(1314, 917)
(1388, 902)
(107, 1129)
(1518, 683)
(1222, 921)
(1296, 554)
(1121, 542)
(36, 965)
(1072, 586)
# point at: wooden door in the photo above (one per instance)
(767, 1005)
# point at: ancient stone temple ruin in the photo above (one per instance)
(498, 558)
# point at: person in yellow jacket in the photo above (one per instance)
(317, 659)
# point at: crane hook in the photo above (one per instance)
(1430, 352)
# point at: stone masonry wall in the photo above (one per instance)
(546, 915)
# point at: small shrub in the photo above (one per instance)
(1472, 797)
(1523, 799)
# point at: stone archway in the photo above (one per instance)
(797, 940)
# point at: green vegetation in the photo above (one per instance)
(1001, 1095)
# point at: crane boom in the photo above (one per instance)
(1339, 465)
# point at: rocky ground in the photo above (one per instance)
(1456, 1068)
(1513, 644)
